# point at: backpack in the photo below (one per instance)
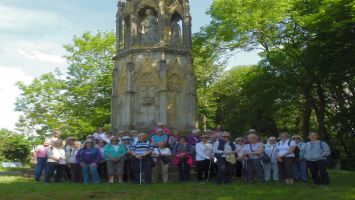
(296, 152)
(326, 160)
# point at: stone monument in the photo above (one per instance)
(153, 78)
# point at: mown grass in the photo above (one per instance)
(342, 187)
(15, 169)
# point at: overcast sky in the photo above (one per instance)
(33, 32)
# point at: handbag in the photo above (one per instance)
(265, 158)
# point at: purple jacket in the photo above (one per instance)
(88, 156)
(192, 140)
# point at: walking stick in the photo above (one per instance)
(183, 169)
(140, 172)
(157, 171)
(209, 170)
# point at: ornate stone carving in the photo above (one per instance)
(155, 81)
(175, 33)
(149, 28)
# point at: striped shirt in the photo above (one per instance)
(141, 148)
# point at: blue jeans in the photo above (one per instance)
(299, 170)
(271, 167)
(40, 167)
(90, 169)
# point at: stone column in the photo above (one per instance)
(114, 103)
(187, 26)
(129, 100)
(163, 92)
(134, 29)
(119, 29)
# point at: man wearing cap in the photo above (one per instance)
(222, 149)
(204, 157)
(128, 172)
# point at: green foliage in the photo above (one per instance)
(79, 101)
(14, 147)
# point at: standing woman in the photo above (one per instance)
(299, 168)
(40, 157)
(183, 152)
(316, 154)
(161, 156)
(271, 166)
(89, 157)
(56, 161)
(102, 167)
(75, 170)
(115, 155)
(204, 158)
(251, 155)
(285, 156)
(239, 165)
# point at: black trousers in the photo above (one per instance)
(225, 171)
(146, 169)
(128, 172)
(51, 168)
(75, 171)
(204, 168)
(102, 170)
(239, 168)
(285, 168)
(319, 172)
(184, 171)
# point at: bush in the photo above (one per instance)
(14, 148)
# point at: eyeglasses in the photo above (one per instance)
(240, 140)
(296, 138)
(225, 136)
(90, 142)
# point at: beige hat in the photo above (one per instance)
(205, 136)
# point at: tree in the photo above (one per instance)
(78, 102)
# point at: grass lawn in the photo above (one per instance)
(342, 187)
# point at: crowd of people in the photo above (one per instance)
(146, 158)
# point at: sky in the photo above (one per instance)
(33, 32)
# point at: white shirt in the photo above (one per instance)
(239, 151)
(57, 153)
(270, 150)
(70, 154)
(106, 138)
(251, 148)
(283, 147)
(227, 149)
(204, 151)
(165, 151)
(98, 136)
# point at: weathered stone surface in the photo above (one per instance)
(153, 79)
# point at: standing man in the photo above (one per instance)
(222, 149)
(316, 154)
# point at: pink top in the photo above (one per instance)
(41, 151)
(165, 130)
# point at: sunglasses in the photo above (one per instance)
(240, 140)
(225, 136)
(296, 138)
(90, 142)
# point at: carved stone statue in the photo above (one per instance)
(175, 34)
(149, 28)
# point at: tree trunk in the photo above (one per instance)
(320, 112)
(307, 110)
